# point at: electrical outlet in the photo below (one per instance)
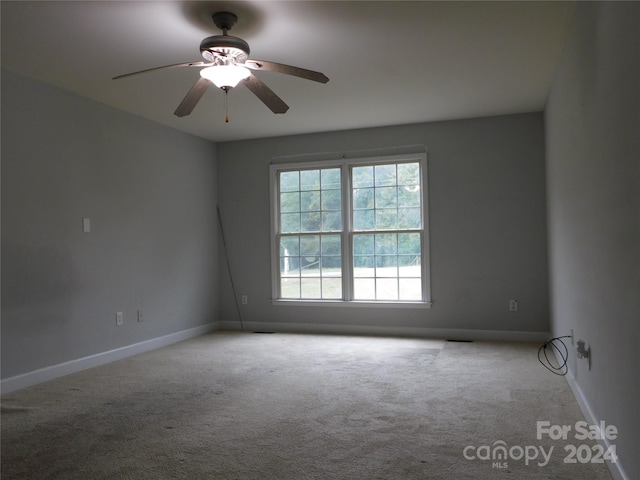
(513, 305)
(119, 318)
(140, 317)
(244, 299)
(583, 351)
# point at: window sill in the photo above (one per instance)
(350, 304)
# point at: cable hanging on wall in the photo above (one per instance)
(558, 367)
(226, 257)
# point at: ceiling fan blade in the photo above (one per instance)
(288, 69)
(192, 98)
(187, 64)
(265, 94)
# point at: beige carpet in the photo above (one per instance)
(283, 406)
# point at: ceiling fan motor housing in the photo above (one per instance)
(222, 48)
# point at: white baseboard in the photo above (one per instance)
(396, 331)
(52, 372)
(616, 469)
(35, 377)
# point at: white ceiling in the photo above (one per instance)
(389, 63)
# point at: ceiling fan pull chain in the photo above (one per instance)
(226, 105)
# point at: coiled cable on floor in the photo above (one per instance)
(558, 367)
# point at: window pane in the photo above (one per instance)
(289, 181)
(385, 175)
(309, 180)
(386, 244)
(387, 219)
(310, 245)
(409, 243)
(289, 246)
(290, 288)
(408, 174)
(363, 220)
(331, 179)
(310, 267)
(330, 245)
(362, 177)
(409, 218)
(290, 222)
(332, 288)
(310, 288)
(309, 201)
(387, 289)
(362, 198)
(290, 267)
(364, 288)
(363, 244)
(410, 289)
(331, 200)
(331, 221)
(290, 202)
(310, 222)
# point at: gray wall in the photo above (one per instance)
(150, 193)
(593, 152)
(487, 220)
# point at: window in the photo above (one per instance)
(350, 231)
(310, 240)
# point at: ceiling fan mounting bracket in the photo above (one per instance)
(224, 20)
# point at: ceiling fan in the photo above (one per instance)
(227, 64)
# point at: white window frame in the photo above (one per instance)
(347, 232)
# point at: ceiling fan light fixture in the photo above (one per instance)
(225, 76)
